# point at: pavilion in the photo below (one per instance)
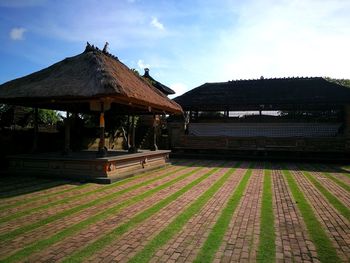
(300, 116)
(93, 81)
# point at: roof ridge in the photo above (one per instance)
(92, 48)
(274, 78)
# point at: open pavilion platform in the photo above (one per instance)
(87, 166)
(92, 82)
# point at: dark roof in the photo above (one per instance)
(90, 76)
(267, 93)
(166, 90)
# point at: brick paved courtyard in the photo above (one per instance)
(191, 211)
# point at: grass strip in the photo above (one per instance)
(75, 197)
(30, 189)
(29, 200)
(337, 181)
(99, 244)
(324, 246)
(177, 224)
(346, 168)
(11, 180)
(266, 250)
(346, 174)
(21, 230)
(71, 230)
(216, 235)
(33, 199)
(13, 185)
(330, 197)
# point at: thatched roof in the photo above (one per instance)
(93, 75)
(281, 93)
(165, 89)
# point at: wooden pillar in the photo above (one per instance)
(102, 151)
(132, 148)
(154, 147)
(129, 134)
(67, 124)
(36, 130)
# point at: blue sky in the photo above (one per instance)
(184, 43)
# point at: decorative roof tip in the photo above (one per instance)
(92, 48)
(146, 72)
(105, 48)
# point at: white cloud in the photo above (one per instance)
(157, 24)
(122, 24)
(17, 33)
(279, 39)
(179, 89)
(142, 65)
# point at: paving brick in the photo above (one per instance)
(242, 234)
(239, 243)
(337, 227)
(291, 234)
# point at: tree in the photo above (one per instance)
(48, 117)
(343, 82)
(24, 116)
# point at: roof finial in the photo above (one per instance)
(105, 48)
(89, 47)
(146, 71)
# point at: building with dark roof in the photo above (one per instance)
(165, 89)
(267, 115)
(276, 94)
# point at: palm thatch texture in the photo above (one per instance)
(256, 94)
(74, 83)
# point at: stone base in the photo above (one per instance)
(87, 166)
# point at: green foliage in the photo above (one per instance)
(48, 117)
(343, 82)
(24, 116)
